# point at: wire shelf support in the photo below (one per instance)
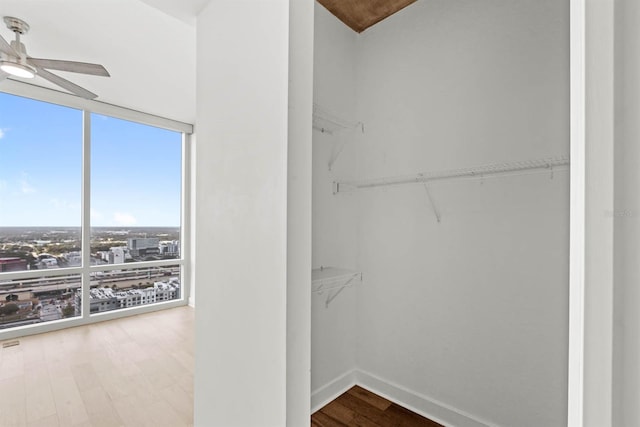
(326, 122)
(333, 280)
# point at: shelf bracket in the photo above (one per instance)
(332, 296)
(336, 153)
(433, 205)
(333, 281)
(342, 187)
(341, 145)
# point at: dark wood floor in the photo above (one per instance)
(358, 407)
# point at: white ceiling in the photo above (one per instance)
(148, 47)
(185, 10)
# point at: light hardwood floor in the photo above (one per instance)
(136, 371)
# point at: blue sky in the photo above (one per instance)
(135, 169)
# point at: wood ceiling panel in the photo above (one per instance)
(361, 14)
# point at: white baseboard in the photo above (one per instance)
(420, 404)
(331, 390)
(437, 411)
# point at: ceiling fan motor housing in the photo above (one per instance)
(16, 25)
(17, 64)
(19, 27)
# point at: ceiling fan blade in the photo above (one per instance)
(65, 84)
(3, 75)
(73, 66)
(6, 48)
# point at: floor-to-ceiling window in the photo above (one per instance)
(93, 212)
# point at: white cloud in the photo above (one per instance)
(123, 218)
(26, 188)
(1, 133)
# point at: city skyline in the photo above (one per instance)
(135, 169)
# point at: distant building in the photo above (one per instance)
(115, 255)
(166, 291)
(102, 299)
(47, 262)
(171, 248)
(118, 255)
(139, 246)
(12, 264)
(73, 258)
(106, 299)
(134, 297)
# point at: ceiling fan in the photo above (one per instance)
(14, 61)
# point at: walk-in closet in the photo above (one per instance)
(441, 210)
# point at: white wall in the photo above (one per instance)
(598, 294)
(334, 234)
(627, 217)
(241, 218)
(471, 312)
(301, 27)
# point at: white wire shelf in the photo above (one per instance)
(545, 165)
(332, 280)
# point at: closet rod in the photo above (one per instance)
(549, 165)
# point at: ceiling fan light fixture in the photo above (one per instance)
(14, 61)
(18, 70)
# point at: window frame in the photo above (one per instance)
(87, 108)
